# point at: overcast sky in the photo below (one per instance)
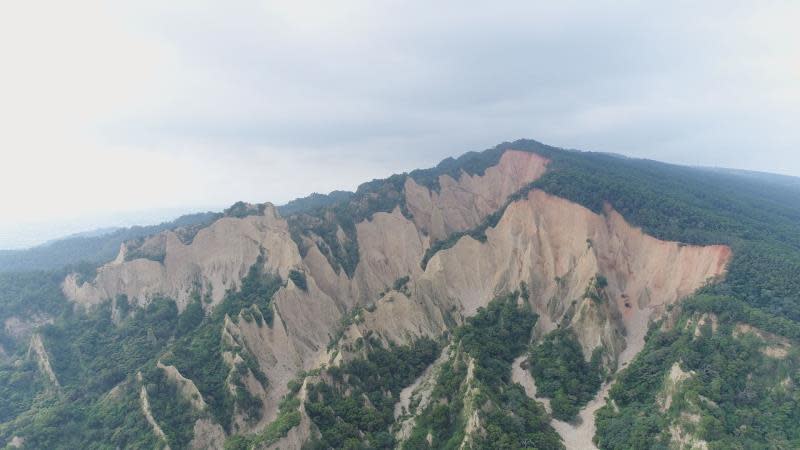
(110, 109)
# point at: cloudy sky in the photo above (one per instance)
(113, 112)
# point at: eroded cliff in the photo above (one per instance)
(554, 250)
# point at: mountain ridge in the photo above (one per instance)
(487, 187)
(307, 330)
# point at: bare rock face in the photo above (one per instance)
(558, 250)
(36, 350)
(301, 433)
(216, 259)
(207, 434)
(16, 442)
(302, 326)
(462, 204)
(392, 247)
(185, 386)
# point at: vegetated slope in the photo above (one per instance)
(278, 331)
(89, 249)
(473, 402)
(759, 218)
(715, 374)
(313, 202)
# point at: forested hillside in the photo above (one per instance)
(759, 217)
(349, 323)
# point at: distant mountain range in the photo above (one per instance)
(94, 247)
(101, 245)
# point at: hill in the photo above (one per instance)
(523, 296)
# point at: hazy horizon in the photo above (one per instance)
(125, 109)
(28, 235)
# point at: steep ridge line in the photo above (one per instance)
(557, 258)
(220, 255)
(553, 246)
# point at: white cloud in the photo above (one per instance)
(112, 106)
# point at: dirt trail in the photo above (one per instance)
(524, 378)
(421, 388)
(579, 437)
(576, 437)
